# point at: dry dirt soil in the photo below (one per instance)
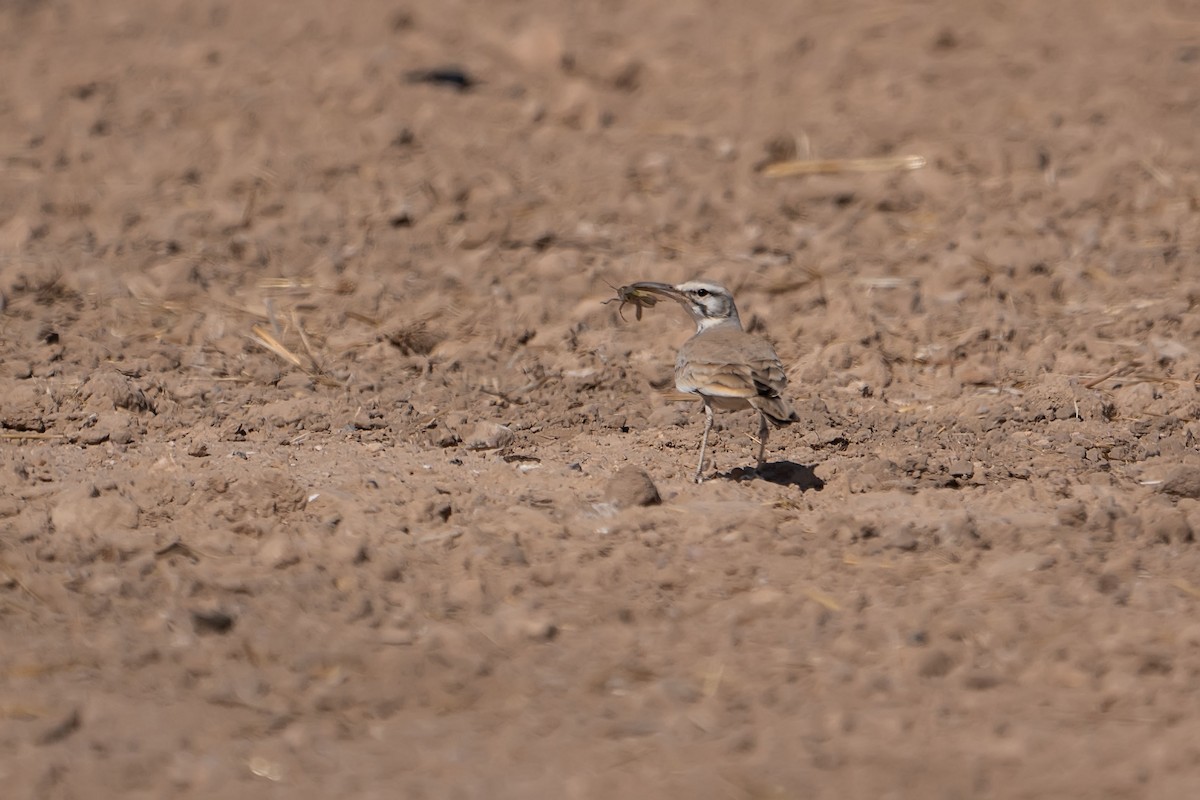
(312, 411)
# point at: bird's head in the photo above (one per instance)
(710, 304)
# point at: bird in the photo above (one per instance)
(728, 368)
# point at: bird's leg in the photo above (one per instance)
(763, 433)
(708, 423)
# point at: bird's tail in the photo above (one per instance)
(778, 410)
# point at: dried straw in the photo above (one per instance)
(838, 166)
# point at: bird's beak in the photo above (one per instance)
(662, 290)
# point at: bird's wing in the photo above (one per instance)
(771, 380)
(716, 380)
(729, 363)
(769, 377)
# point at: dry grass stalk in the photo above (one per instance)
(1130, 375)
(1162, 177)
(886, 282)
(269, 305)
(266, 340)
(516, 396)
(1112, 373)
(1185, 587)
(822, 599)
(837, 166)
(307, 344)
(285, 283)
(12, 576)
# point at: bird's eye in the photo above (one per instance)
(702, 293)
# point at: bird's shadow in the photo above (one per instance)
(783, 473)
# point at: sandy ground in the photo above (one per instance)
(312, 411)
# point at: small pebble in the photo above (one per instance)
(631, 487)
(962, 469)
(94, 437)
(1183, 482)
(397, 637)
(61, 728)
(212, 619)
(489, 436)
(454, 77)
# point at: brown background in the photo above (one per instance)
(228, 570)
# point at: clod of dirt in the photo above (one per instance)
(278, 551)
(631, 487)
(62, 728)
(958, 529)
(935, 664)
(540, 47)
(1183, 482)
(397, 637)
(432, 510)
(83, 512)
(516, 624)
(414, 339)
(780, 148)
(451, 76)
(667, 417)
(981, 681)
(1170, 526)
(1015, 566)
(540, 630)
(489, 436)
(1071, 513)
(94, 437)
(626, 74)
(901, 539)
(962, 469)
(23, 409)
(209, 620)
(111, 390)
(446, 438)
